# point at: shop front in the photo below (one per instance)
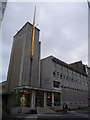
(32, 98)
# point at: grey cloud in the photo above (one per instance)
(63, 29)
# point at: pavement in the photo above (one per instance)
(70, 115)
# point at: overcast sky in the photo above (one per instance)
(63, 30)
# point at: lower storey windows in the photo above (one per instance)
(49, 99)
(22, 97)
(39, 100)
(36, 98)
(56, 99)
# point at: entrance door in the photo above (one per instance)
(49, 99)
(39, 102)
(56, 99)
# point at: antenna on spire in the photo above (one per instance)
(34, 16)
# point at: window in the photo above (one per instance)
(61, 76)
(49, 99)
(64, 77)
(39, 99)
(56, 84)
(54, 74)
(58, 66)
(56, 99)
(62, 68)
(18, 96)
(54, 63)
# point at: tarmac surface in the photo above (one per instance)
(70, 115)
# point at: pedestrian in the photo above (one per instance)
(66, 108)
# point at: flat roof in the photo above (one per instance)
(68, 66)
(35, 88)
(58, 61)
(24, 26)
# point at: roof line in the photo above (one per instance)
(24, 26)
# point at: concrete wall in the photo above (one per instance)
(74, 92)
(10, 101)
(25, 80)
(73, 85)
(15, 60)
(19, 67)
(46, 73)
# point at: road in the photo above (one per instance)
(70, 115)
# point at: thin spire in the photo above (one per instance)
(33, 33)
(34, 16)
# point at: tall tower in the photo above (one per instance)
(19, 72)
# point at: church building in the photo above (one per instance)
(47, 83)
